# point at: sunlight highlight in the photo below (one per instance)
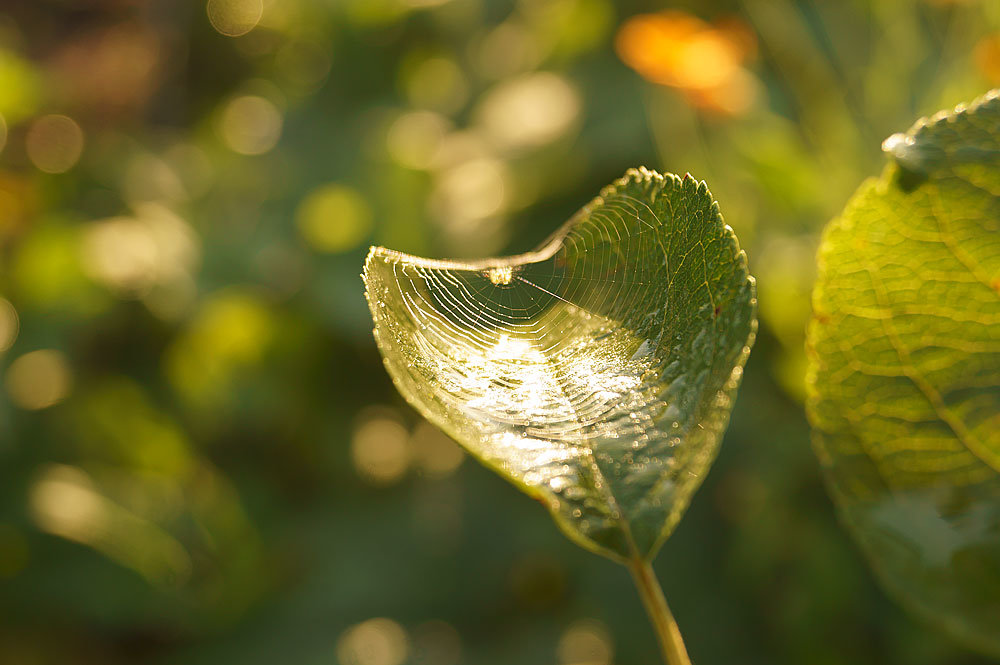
(586, 642)
(131, 255)
(472, 191)
(228, 336)
(39, 379)
(435, 83)
(251, 125)
(529, 111)
(234, 18)
(374, 642)
(9, 325)
(334, 218)
(414, 138)
(380, 450)
(434, 452)
(54, 143)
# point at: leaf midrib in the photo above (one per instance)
(612, 500)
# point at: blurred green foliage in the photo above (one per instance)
(201, 457)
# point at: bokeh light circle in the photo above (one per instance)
(334, 218)
(39, 379)
(9, 325)
(251, 125)
(234, 18)
(54, 143)
(374, 642)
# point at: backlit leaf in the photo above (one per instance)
(596, 373)
(905, 369)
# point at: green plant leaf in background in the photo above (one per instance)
(596, 373)
(905, 369)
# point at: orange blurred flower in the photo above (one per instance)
(987, 55)
(704, 61)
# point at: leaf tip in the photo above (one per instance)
(903, 148)
(918, 150)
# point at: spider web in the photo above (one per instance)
(561, 367)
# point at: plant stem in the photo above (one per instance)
(671, 643)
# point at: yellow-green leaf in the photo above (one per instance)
(596, 373)
(905, 369)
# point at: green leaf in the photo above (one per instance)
(905, 369)
(596, 373)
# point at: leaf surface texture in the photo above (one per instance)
(905, 368)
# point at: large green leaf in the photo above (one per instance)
(597, 373)
(905, 369)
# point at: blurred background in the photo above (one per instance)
(201, 457)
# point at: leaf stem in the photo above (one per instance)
(669, 635)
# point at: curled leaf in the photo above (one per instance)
(596, 373)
